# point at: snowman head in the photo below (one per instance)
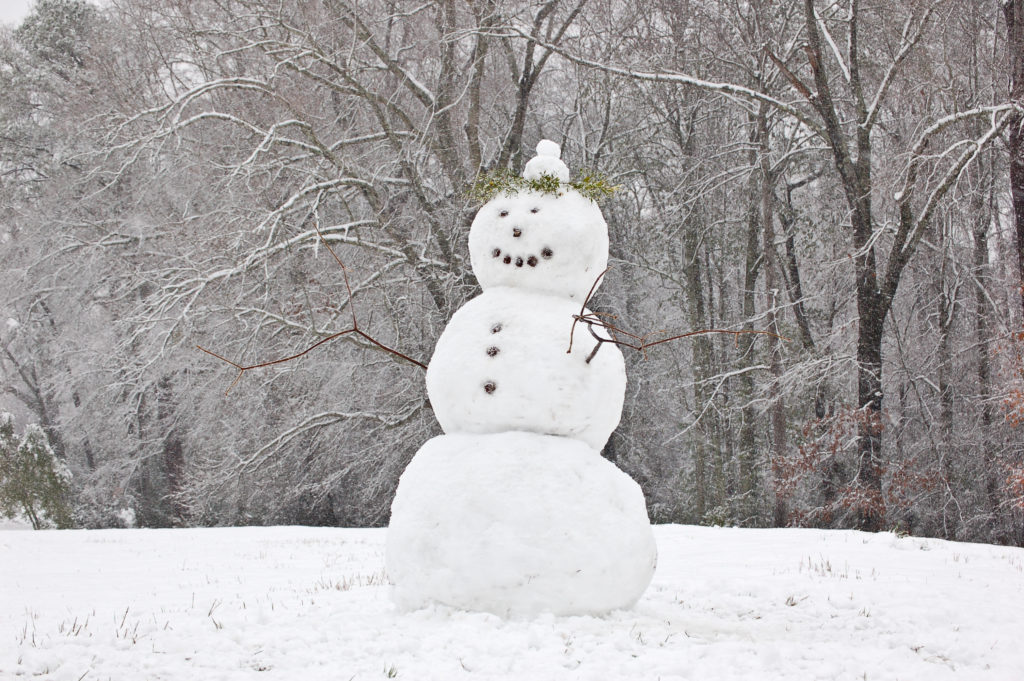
(549, 241)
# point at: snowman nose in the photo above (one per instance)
(516, 232)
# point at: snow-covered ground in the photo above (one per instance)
(308, 604)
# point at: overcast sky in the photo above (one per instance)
(13, 11)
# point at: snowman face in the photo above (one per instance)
(540, 242)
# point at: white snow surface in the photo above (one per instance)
(555, 244)
(518, 523)
(286, 603)
(501, 364)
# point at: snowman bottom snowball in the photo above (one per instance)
(518, 523)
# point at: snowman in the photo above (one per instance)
(513, 510)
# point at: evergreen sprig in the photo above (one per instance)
(591, 185)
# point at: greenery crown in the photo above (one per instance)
(593, 186)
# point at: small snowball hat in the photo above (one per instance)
(547, 162)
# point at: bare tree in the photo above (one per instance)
(1013, 13)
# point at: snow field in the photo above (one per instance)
(312, 603)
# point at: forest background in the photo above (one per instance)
(836, 173)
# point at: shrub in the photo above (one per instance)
(33, 481)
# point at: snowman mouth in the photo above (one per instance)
(519, 261)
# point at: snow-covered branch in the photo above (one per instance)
(730, 89)
(907, 43)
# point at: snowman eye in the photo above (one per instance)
(503, 214)
(496, 252)
(492, 351)
(496, 328)
(535, 210)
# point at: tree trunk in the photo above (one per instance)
(870, 513)
(793, 283)
(748, 454)
(853, 167)
(945, 310)
(172, 452)
(703, 360)
(983, 213)
(1013, 10)
(772, 285)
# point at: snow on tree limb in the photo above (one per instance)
(840, 59)
(907, 44)
(730, 89)
(354, 329)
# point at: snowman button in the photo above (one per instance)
(489, 387)
(492, 351)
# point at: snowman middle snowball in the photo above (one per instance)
(501, 365)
